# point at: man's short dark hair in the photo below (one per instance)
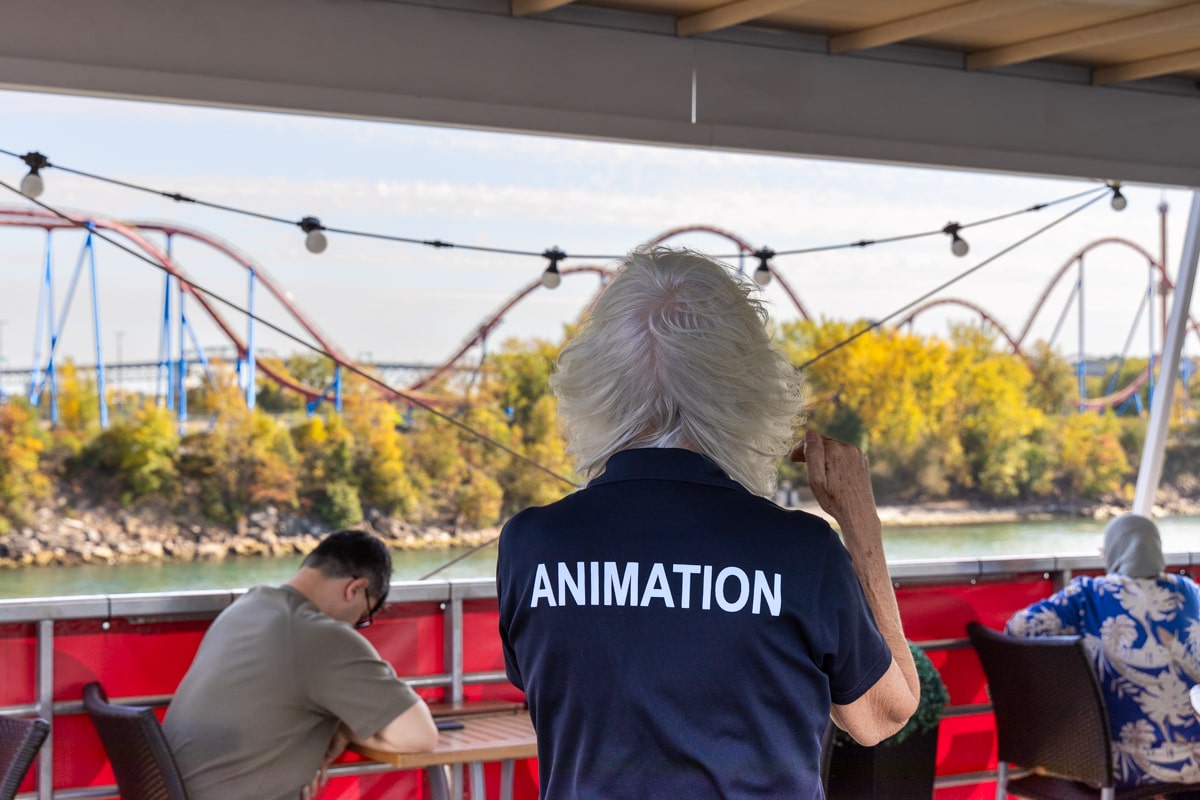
(354, 554)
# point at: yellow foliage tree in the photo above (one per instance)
(936, 416)
(1091, 459)
(21, 479)
(380, 459)
(140, 453)
(328, 485)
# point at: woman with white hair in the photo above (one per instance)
(676, 632)
(1142, 627)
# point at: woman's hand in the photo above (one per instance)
(839, 477)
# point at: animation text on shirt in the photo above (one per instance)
(596, 583)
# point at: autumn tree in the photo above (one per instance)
(328, 485)
(22, 482)
(379, 452)
(246, 461)
(139, 453)
(1091, 460)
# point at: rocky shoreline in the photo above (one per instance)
(100, 535)
(122, 536)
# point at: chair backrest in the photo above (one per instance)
(136, 747)
(1049, 708)
(20, 740)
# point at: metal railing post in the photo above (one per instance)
(453, 622)
(45, 703)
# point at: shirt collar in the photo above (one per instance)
(666, 464)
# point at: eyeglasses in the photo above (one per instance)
(366, 621)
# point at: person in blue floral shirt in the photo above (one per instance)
(1142, 628)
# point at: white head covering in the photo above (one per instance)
(1133, 547)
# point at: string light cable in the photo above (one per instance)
(950, 229)
(1099, 194)
(316, 241)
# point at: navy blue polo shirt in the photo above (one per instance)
(677, 636)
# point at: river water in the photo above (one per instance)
(1057, 537)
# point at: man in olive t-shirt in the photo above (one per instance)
(282, 670)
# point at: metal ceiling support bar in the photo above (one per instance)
(1160, 408)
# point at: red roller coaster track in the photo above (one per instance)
(1107, 401)
(132, 231)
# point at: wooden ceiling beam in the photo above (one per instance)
(730, 14)
(524, 8)
(1147, 68)
(929, 22)
(1117, 30)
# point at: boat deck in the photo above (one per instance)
(441, 637)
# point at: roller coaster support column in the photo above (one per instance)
(1160, 408)
(3, 396)
(56, 329)
(45, 319)
(337, 388)
(250, 356)
(181, 364)
(1150, 284)
(164, 349)
(1081, 364)
(102, 398)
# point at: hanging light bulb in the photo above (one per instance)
(762, 275)
(958, 245)
(1119, 200)
(315, 241)
(551, 277)
(32, 184)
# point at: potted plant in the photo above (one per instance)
(902, 766)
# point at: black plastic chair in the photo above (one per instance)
(20, 740)
(136, 747)
(1051, 719)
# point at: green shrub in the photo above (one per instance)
(338, 505)
(139, 454)
(246, 462)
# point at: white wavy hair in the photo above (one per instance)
(675, 353)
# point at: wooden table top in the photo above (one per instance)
(470, 707)
(483, 737)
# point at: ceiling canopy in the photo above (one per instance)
(1088, 88)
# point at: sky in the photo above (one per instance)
(394, 302)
